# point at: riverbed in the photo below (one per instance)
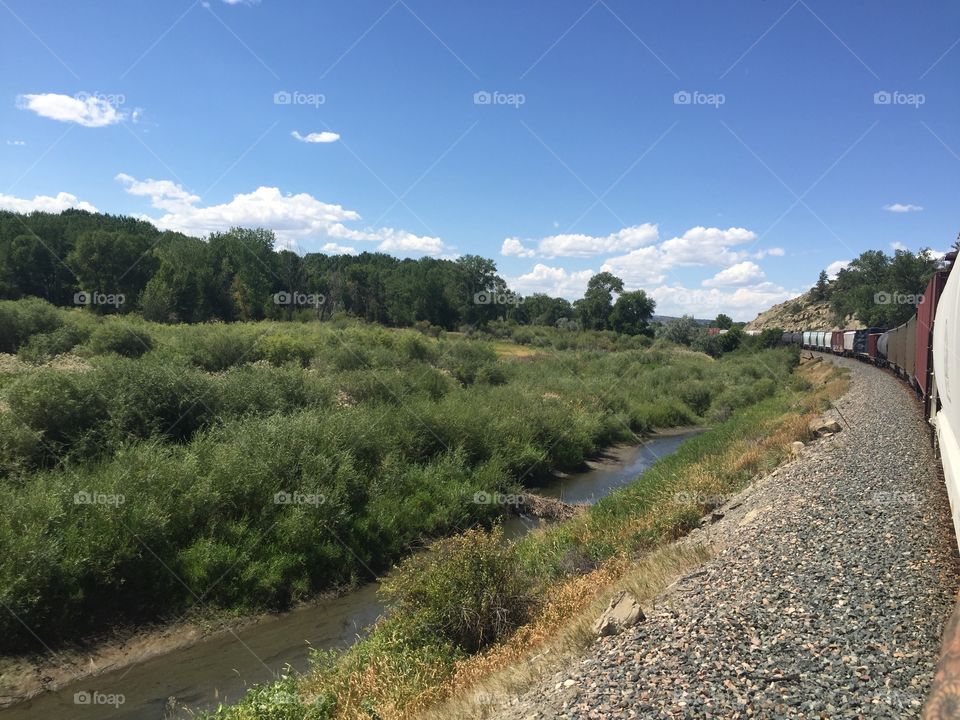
(219, 668)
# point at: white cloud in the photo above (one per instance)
(334, 249)
(644, 266)
(834, 268)
(739, 275)
(578, 245)
(902, 208)
(294, 218)
(90, 111)
(18, 143)
(513, 247)
(698, 246)
(898, 245)
(555, 281)
(163, 194)
(706, 246)
(742, 304)
(320, 137)
(771, 252)
(44, 203)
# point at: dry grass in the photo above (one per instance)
(561, 630)
(488, 680)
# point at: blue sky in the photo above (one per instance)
(717, 155)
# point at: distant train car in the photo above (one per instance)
(823, 340)
(883, 344)
(797, 338)
(872, 340)
(807, 335)
(836, 342)
(848, 337)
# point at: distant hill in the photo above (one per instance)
(667, 319)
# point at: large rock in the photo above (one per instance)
(822, 426)
(623, 611)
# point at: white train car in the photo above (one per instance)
(848, 339)
(946, 389)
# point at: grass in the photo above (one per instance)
(412, 666)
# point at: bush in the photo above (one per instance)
(21, 319)
(216, 347)
(120, 338)
(281, 349)
(61, 407)
(469, 589)
(41, 348)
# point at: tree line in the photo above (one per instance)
(123, 264)
(878, 289)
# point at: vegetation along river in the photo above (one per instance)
(219, 668)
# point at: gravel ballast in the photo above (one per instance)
(832, 583)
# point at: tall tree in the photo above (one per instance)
(596, 305)
(632, 312)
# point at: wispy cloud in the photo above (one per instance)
(316, 137)
(87, 110)
(902, 208)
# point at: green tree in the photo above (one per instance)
(632, 312)
(114, 262)
(724, 322)
(594, 309)
(683, 331)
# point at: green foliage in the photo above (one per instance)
(281, 349)
(632, 312)
(120, 338)
(724, 322)
(21, 320)
(469, 590)
(879, 290)
(683, 331)
(397, 432)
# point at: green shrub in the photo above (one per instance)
(40, 348)
(282, 349)
(469, 589)
(216, 347)
(21, 319)
(120, 338)
(61, 407)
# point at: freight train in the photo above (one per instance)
(919, 352)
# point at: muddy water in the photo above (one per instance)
(220, 668)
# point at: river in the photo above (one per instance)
(219, 668)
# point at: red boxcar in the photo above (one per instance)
(926, 312)
(872, 345)
(836, 342)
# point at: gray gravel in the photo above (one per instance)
(834, 580)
